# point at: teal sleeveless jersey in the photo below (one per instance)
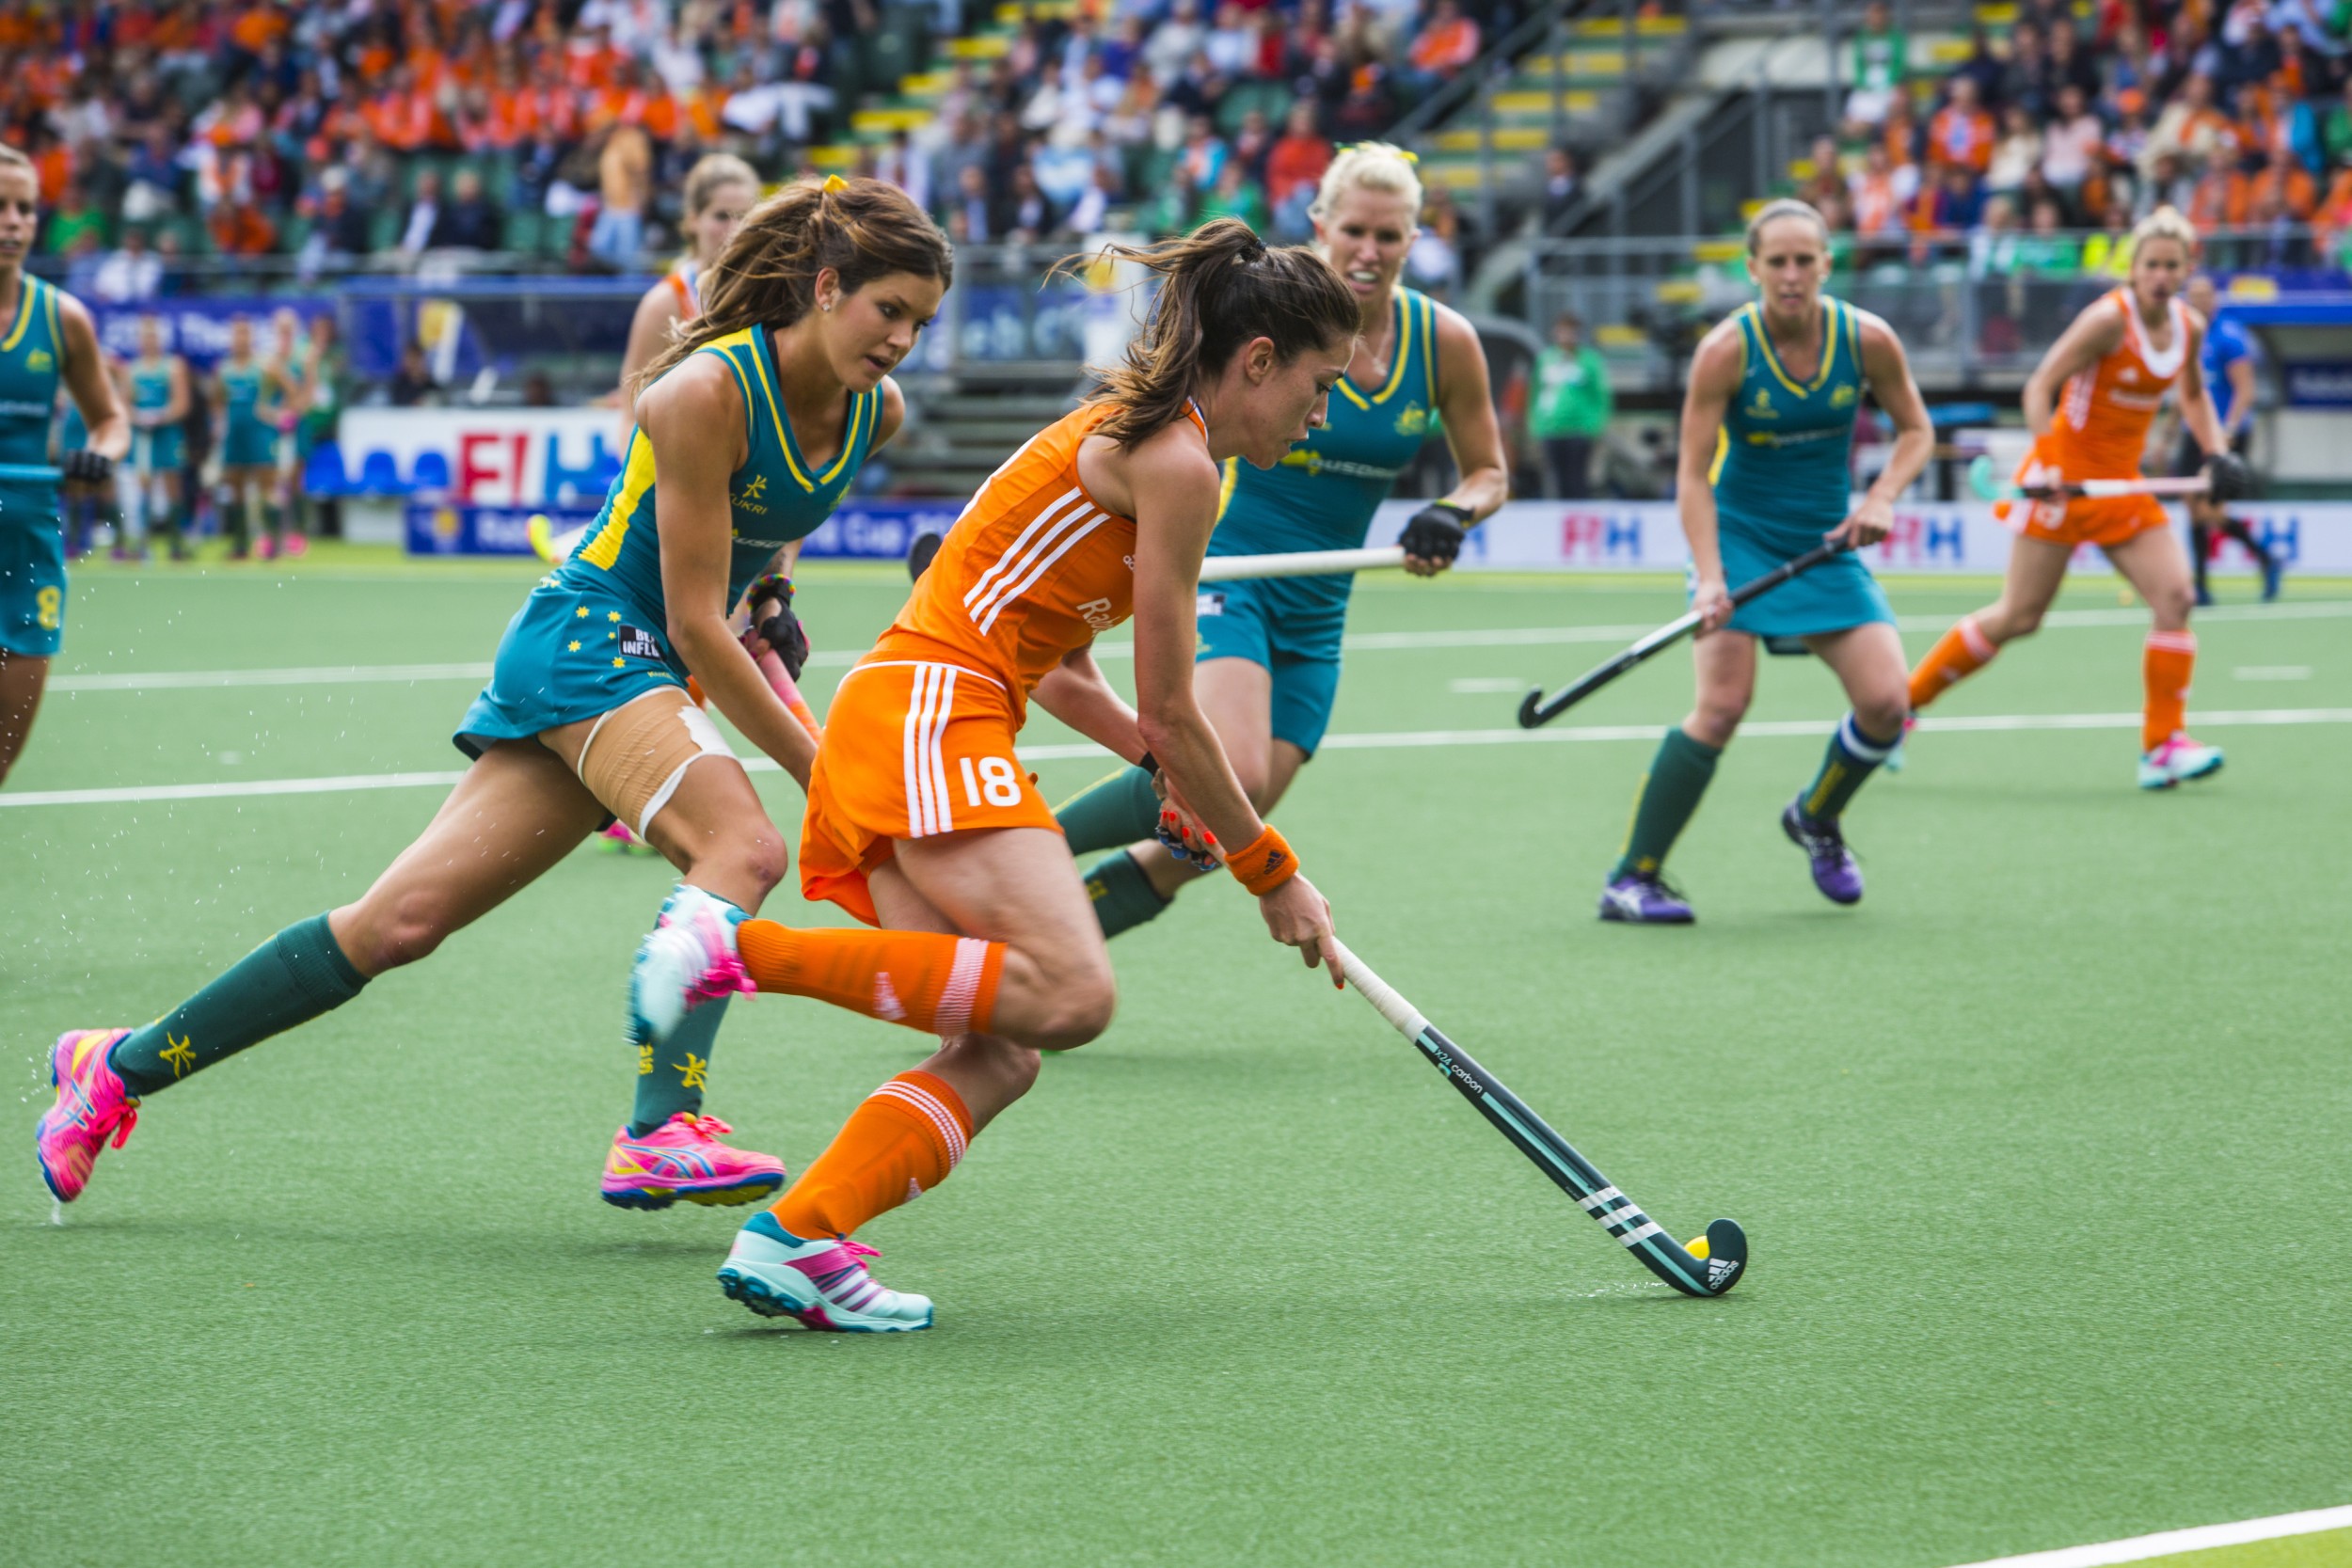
(777, 498)
(241, 391)
(1322, 495)
(151, 387)
(31, 356)
(1782, 473)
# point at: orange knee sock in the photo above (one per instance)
(1959, 654)
(2166, 664)
(895, 1147)
(941, 985)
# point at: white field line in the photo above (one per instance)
(2202, 1538)
(1374, 740)
(1371, 642)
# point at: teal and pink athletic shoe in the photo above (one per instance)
(822, 1283)
(91, 1104)
(687, 959)
(684, 1159)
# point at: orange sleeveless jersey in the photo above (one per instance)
(919, 741)
(2099, 430)
(2100, 427)
(1034, 569)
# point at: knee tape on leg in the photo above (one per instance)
(638, 754)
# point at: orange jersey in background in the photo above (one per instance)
(2099, 430)
(1033, 570)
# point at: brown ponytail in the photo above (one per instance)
(1221, 288)
(767, 275)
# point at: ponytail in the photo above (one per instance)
(767, 275)
(1221, 288)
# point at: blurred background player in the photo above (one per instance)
(2090, 404)
(285, 395)
(1269, 653)
(160, 401)
(919, 816)
(2227, 362)
(759, 419)
(1767, 438)
(326, 378)
(46, 338)
(244, 401)
(720, 189)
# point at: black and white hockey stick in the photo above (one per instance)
(1708, 1267)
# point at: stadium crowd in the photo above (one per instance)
(165, 129)
(2239, 113)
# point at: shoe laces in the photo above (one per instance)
(125, 1118)
(1658, 881)
(702, 1126)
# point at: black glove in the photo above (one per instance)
(87, 467)
(1436, 532)
(781, 630)
(2230, 477)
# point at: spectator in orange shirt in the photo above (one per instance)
(240, 230)
(1444, 45)
(1294, 168)
(1962, 132)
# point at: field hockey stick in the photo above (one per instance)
(1989, 485)
(1299, 564)
(1537, 710)
(31, 473)
(1708, 1267)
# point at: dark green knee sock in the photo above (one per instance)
(292, 978)
(1123, 896)
(1677, 777)
(1852, 757)
(1122, 809)
(674, 1083)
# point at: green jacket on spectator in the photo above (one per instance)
(1572, 396)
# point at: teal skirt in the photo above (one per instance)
(1837, 596)
(567, 655)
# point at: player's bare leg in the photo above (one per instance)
(23, 678)
(2153, 563)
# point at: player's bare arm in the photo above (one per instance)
(1892, 387)
(1466, 407)
(2094, 335)
(694, 418)
(1715, 372)
(93, 390)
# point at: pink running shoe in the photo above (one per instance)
(618, 838)
(684, 1159)
(91, 1103)
(264, 548)
(296, 546)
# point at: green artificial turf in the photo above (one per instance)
(2041, 1149)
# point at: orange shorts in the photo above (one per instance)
(912, 749)
(2078, 519)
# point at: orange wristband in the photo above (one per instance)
(1265, 865)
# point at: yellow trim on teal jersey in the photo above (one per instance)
(1401, 351)
(57, 334)
(1829, 348)
(1723, 450)
(1225, 489)
(1429, 348)
(24, 316)
(637, 479)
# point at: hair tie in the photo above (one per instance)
(835, 182)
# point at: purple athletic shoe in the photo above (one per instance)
(1639, 900)
(1835, 871)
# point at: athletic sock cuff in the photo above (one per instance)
(1860, 746)
(318, 963)
(1691, 748)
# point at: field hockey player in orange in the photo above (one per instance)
(921, 819)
